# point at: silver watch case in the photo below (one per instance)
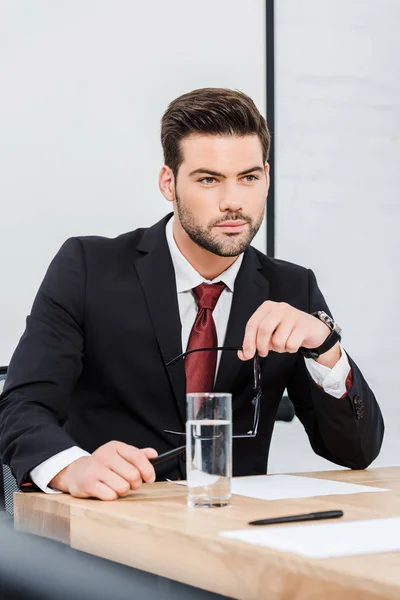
(323, 316)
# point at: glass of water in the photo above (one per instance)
(209, 449)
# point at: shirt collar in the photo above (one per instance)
(187, 277)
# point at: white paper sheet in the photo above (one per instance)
(325, 540)
(281, 487)
(200, 479)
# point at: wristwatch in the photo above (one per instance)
(332, 339)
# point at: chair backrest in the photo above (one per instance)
(8, 484)
(3, 372)
(2, 498)
(3, 375)
(285, 410)
(9, 487)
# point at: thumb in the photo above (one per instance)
(150, 452)
(241, 355)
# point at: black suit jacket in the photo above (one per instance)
(90, 366)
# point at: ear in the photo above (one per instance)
(166, 183)
(267, 177)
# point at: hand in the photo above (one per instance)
(280, 327)
(111, 471)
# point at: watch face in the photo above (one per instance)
(329, 321)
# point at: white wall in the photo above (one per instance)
(338, 182)
(84, 84)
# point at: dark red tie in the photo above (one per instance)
(200, 366)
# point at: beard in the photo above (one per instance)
(228, 244)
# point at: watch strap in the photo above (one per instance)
(333, 338)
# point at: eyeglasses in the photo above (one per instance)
(256, 387)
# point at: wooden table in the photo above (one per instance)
(153, 530)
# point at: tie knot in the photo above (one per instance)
(207, 294)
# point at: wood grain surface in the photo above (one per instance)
(153, 530)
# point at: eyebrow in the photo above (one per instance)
(204, 171)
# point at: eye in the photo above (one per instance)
(250, 178)
(207, 180)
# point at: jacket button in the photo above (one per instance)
(356, 400)
(360, 413)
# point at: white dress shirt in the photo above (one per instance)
(333, 381)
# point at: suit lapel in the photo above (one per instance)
(251, 290)
(157, 277)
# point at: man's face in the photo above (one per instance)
(220, 191)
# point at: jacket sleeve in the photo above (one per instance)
(45, 367)
(347, 431)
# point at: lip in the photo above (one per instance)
(232, 226)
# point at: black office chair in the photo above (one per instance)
(3, 373)
(285, 410)
(8, 484)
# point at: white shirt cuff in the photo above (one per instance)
(332, 381)
(44, 473)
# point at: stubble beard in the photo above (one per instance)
(227, 245)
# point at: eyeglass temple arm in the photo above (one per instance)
(175, 360)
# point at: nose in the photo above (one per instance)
(230, 199)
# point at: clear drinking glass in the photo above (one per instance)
(209, 449)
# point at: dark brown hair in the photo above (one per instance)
(212, 111)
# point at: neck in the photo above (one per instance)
(206, 263)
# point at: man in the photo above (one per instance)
(89, 398)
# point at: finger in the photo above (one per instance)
(103, 492)
(250, 334)
(265, 332)
(241, 355)
(114, 481)
(139, 460)
(97, 490)
(150, 452)
(295, 340)
(281, 335)
(126, 470)
(249, 342)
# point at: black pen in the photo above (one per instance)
(167, 455)
(325, 514)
